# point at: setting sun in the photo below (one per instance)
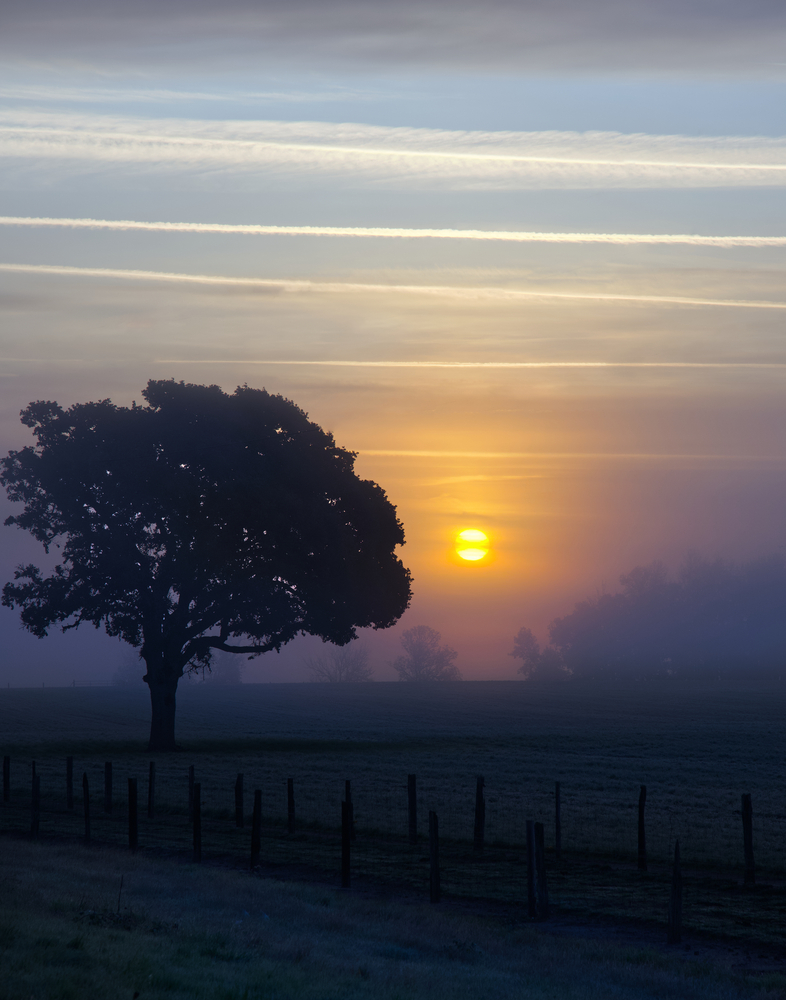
(472, 544)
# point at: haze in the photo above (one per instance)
(589, 404)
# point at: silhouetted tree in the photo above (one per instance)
(538, 664)
(201, 521)
(341, 665)
(425, 659)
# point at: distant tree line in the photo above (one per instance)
(425, 659)
(711, 617)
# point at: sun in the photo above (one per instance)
(472, 545)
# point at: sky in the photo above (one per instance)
(525, 259)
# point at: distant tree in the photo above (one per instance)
(200, 522)
(537, 664)
(341, 665)
(425, 659)
(713, 616)
(128, 671)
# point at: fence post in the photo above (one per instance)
(348, 800)
(542, 892)
(256, 828)
(537, 892)
(133, 826)
(435, 889)
(191, 793)
(69, 782)
(642, 854)
(675, 902)
(480, 814)
(35, 806)
(557, 822)
(151, 790)
(239, 819)
(197, 821)
(86, 804)
(345, 841)
(412, 808)
(6, 779)
(108, 787)
(290, 805)
(747, 839)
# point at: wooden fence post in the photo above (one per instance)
(480, 814)
(133, 825)
(239, 818)
(6, 779)
(412, 808)
(675, 902)
(69, 782)
(290, 805)
(191, 793)
(108, 787)
(86, 804)
(537, 892)
(747, 839)
(557, 822)
(435, 888)
(348, 800)
(345, 842)
(197, 821)
(642, 853)
(151, 790)
(35, 806)
(256, 828)
(542, 891)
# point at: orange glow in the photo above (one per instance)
(472, 545)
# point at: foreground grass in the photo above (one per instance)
(182, 931)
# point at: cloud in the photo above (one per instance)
(50, 94)
(519, 36)
(302, 286)
(382, 232)
(380, 155)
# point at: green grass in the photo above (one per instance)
(182, 931)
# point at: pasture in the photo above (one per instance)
(697, 748)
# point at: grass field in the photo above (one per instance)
(187, 932)
(697, 748)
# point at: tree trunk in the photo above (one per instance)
(162, 721)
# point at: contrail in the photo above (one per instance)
(593, 456)
(383, 232)
(467, 292)
(214, 147)
(476, 364)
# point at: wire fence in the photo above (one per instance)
(595, 822)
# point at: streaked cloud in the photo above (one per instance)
(460, 292)
(393, 156)
(575, 456)
(381, 232)
(50, 94)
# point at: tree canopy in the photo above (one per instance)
(425, 658)
(200, 521)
